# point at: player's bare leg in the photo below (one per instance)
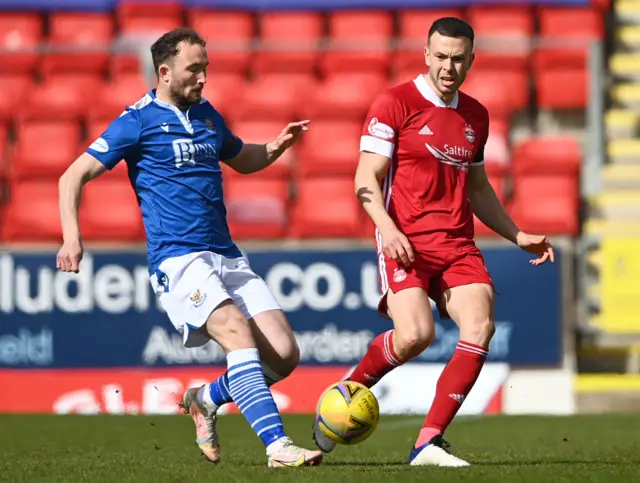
(277, 344)
(414, 331)
(247, 387)
(279, 354)
(471, 307)
(278, 349)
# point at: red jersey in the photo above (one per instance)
(432, 146)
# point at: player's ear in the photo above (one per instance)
(426, 56)
(163, 72)
(472, 58)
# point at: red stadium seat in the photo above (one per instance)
(228, 35)
(344, 95)
(224, 90)
(90, 31)
(110, 212)
(498, 182)
(501, 91)
(414, 30)
(4, 164)
(571, 30)
(503, 36)
(21, 33)
(562, 88)
(359, 41)
(63, 96)
(496, 152)
(95, 129)
(44, 148)
(326, 207)
(330, 147)
(148, 18)
(405, 75)
(275, 97)
(551, 156)
(546, 204)
(256, 207)
(31, 214)
(262, 132)
(124, 64)
(117, 95)
(14, 89)
(289, 42)
(148, 26)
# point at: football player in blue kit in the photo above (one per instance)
(173, 141)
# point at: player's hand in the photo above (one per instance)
(396, 245)
(289, 136)
(69, 256)
(538, 245)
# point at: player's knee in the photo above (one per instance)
(411, 342)
(290, 359)
(291, 362)
(478, 330)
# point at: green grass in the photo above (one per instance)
(144, 449)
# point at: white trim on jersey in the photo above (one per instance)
(429, 95)
(183, 117)
(477, 163)
(386, 195)
(377, 146)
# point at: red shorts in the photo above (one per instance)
(434, 272)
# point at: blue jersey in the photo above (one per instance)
(173, 159)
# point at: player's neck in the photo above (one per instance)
(447, 99)
(167, 99)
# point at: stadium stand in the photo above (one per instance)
(325, 66)
(613, 226)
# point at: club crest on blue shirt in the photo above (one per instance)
(210, 126)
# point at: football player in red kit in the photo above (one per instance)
(421, 178)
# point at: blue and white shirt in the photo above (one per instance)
(173, 158)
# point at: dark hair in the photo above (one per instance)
(166, 47)
(452, 27)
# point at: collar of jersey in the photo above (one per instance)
(183, 117)
(427, 92)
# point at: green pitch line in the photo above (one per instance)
(144, 449)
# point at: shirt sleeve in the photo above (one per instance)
(381, 127)
(118, 141)
(231, 144)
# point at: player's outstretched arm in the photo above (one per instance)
(372, 169)
(487, 207)
(83, 169)
(256, 157)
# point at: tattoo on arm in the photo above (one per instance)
(362, 192)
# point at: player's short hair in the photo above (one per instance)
(167, 47)
(452, 27)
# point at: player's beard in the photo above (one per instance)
(184, 98)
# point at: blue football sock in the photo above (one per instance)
(219, 389)
(249, 391)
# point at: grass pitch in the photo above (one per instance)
(145, 449)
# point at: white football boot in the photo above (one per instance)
(283, 453)
(205, 420)
(435, 453)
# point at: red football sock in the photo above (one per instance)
(379, 360)
(454, 384)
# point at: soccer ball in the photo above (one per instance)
(347, 413)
